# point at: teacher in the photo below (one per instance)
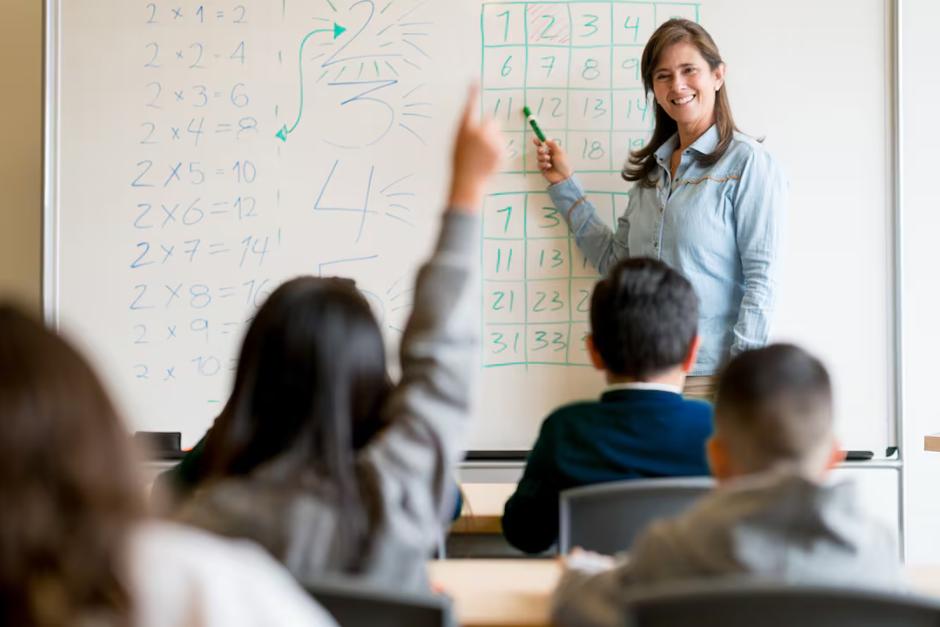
(707, 200)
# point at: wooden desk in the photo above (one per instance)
(483, 508)
(516, 592)
(498, 593)
(932, 442)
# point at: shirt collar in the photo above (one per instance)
(705, 144)
(643, 385)
(664, 152)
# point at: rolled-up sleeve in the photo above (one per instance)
(759, 210)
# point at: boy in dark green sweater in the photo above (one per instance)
(644, 318)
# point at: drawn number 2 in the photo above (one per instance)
(153, 60)
(551, 22)
(583, 302)
(146, 164)
(556, 302)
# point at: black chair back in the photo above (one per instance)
(736, 603)
(606, 517)
(356, 604)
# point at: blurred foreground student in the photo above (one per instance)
(75, 547)
(316, 455)
(643, 335)
(772, 516)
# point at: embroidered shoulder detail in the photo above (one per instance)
(715, 179)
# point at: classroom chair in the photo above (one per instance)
(606, 517)
(739, 603)
(354, 603)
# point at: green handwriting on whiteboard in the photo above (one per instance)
(337, 30)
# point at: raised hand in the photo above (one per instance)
(478, 151)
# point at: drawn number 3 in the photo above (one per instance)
(590, 24)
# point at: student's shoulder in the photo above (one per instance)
(192, 548)
(190, 570)
(697, 408)
(570, 412)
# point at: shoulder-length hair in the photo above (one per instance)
(309, 391)
(69, 490)
(641, 164)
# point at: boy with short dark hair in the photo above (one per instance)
(644, 318)
(772, 515)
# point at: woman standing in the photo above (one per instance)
(708, 200)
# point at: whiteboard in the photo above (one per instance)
(199, 153)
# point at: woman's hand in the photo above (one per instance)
(553, 161)
(477, 155)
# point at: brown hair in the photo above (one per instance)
(68, 487)
(642, 163)
(774, 407)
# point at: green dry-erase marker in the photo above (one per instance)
(533, 123)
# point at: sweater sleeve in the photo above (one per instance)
(429, 409)
(585, 599)
(530, 516)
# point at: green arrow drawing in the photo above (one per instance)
(337, 30)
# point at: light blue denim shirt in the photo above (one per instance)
(720, 226)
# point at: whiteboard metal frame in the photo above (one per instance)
(50, 203)
(897, 270)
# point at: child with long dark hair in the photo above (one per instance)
(316, 455)
(75, 545)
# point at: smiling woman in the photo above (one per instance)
(707, 200)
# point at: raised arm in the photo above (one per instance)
(428, 411)
(759, 211)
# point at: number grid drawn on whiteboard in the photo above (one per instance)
(550, 56)
(837, 282)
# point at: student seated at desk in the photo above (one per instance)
(644, 317)
(316, 455)
(772, 516)
(77, 548)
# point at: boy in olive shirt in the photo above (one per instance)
(644, 318)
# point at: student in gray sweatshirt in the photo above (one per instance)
(316, 455)
(773, 515)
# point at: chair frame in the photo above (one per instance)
(568, 498)
(353, 590)
(747, 595)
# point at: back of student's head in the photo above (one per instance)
(309, 389)
(310, 382)
(773, 409)
(68, 484)
(644, 318)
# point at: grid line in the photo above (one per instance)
(527, 338)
